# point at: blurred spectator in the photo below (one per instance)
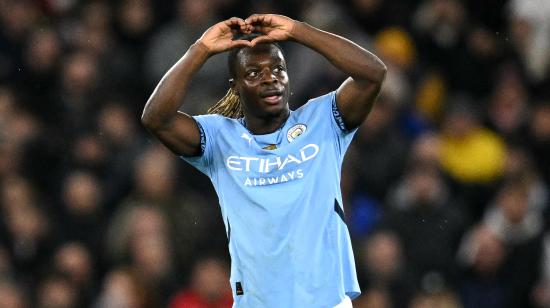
(209, 287)
(28, 232)
(541, 294)
(82, 211)
(519, 165)
(440, 26)
(518, 224)
(11, 296)
(373, 298)
(483, 256)
(74, 261)
(17, 19)
(539, 138)
(121, 142)
(123, 288)
(515, 217)
(56, 291)
(38, 79)
(380, 149)
(422, 209)
(373, 15)
(506, 253)
(77, 92)
(469, 152)
(430, 95)
(441, 299)
(385, 278)
(139, 235)
(375, 162)
(134, 24)
(472, 155)
(396, 46)
(530, 29)
(151, 255)
(508, 107)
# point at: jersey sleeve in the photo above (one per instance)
(208, 126)
(327, 110)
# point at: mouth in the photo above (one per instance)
(272, 96)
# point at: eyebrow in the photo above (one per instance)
(257, 64)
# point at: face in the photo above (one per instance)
(261, 80)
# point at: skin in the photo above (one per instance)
(262, 83)
(261, 72)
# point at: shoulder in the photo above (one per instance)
(317, 105)
(214, 121)
(318, 101)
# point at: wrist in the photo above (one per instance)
(201, 48)
(297, 30)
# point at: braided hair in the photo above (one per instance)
(230, 105)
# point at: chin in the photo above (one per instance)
(276, 110)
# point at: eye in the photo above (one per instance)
(279, 68)
(252, 73)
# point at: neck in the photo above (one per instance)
(262, 126)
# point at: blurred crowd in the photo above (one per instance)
(445, 185)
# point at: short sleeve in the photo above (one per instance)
(208, 126)
(326, 105)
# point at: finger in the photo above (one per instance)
(245, 29)
(260, 29)
(241, 43)
(255, 18)
(235, 22)
(262, 39)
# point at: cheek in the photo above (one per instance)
(284, 78)
(247, 91)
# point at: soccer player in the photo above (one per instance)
(276, 171)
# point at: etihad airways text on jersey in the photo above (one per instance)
(265, 165)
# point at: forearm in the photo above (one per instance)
(162, 106)
(347, 56)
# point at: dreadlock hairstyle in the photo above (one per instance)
(230, 105)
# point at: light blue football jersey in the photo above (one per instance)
(282, 207)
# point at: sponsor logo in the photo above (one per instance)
(246, 137)
(265, 165)
(285, 177)
(295, 131)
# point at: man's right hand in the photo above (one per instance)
(219, 37)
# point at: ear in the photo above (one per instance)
(233, 85)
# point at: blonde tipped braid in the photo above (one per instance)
(229, 106)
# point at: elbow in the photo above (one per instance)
(148, 121)
(373, 73)
(145, 121)
(382, 70)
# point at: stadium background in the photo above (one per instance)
(445, 186)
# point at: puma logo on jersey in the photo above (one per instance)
(246, 137)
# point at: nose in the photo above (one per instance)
(268, 76)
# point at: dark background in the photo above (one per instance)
(445, 185)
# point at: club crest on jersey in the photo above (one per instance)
(295, 131)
